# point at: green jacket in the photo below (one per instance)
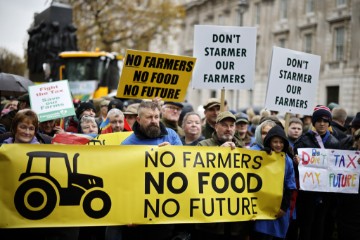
(207, 130)
(214, 141)
(174, 127)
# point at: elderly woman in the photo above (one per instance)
(192, 128)
(88, 125)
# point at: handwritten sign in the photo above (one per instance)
(51, 100)
(225, 57)
(293, 81)
(327, 170)
(147, 75)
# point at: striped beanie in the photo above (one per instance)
(321, 112)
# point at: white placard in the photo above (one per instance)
(51, 100)
(329, 170)
(293, 81)
(225, 57)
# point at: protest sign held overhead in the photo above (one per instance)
(147, 75)
(51, 100)
(225, 57)
(293, 81)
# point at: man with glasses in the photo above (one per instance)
(170, 114)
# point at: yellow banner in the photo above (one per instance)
(147, 75)
(85, 185)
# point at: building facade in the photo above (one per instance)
(328, 28)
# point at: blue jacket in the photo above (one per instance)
(166, 135)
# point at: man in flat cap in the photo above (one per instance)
(211, 111)
(170, 114)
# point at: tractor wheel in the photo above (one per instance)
(35, 199)
(91, 196)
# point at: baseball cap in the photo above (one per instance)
(241, 119)
(223, 115)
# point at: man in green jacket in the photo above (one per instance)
(223, 136)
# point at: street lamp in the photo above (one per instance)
(243, 5)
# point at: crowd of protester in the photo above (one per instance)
(303, 215)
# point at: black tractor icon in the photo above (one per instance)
(40, 192)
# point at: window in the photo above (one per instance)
(339, 43)
(309, 8)
(283, 9)
(257, 14)
(282, 42)
(340, 3)
(332, 94)
(308, 43)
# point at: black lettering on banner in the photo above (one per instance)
(225, 52)
(159, 184)
(226, 38)
(297, 63)
(133, 60)
(291, 102)
(168, 64)
(294, 76)
(131, 90)
(164, 206)
(252, 182)
(224, 78)
(226, 65)
(233, 206)
(141, 76)
(164, 78)
(167, 159)
(152, 92)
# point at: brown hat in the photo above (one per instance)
(224, 115)
(132, 109)
(212, 102)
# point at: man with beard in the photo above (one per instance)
(148, 130)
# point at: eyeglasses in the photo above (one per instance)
(174, 108)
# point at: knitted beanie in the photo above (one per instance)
(321, 112)
(83, 107)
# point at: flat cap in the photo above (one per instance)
(180, 105)
(212, 102)
(132, 109)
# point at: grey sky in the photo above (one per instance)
(16, 17)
